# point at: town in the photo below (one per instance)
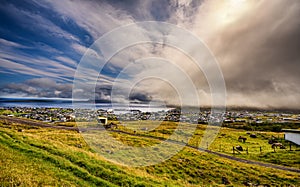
(203, 117)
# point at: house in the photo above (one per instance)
(292, 135)
(102, 120)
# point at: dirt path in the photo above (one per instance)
(34, 123)
(40, 124)
(254, 162)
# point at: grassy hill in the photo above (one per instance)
(37, 156)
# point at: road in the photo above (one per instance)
(252, 162)
(34, 123)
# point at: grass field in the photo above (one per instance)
(53, 157)
(258, 148)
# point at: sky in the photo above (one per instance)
(255, 42)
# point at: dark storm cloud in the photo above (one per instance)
(140, 97)
(39, 87)
(259, 53)
(45, 87)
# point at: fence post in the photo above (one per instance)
(260, 149)
(232, 149)
(247, 150)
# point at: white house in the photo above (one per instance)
(102, 120)
(292, 135)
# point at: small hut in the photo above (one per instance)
(102, 120)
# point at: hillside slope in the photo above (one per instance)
(37, 156)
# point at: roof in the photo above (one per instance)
(291, 130)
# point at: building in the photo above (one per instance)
(102, 120)
(292, 135)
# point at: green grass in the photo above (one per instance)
(264, 126)
(48, 147)
(52, 157)
(258, 148)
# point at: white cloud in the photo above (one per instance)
(35, 66)
(80, 49)
(8, 43)
(96, 18)
(67, 60)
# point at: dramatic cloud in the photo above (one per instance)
(40, 87)
(255, 42)
(258, 53)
